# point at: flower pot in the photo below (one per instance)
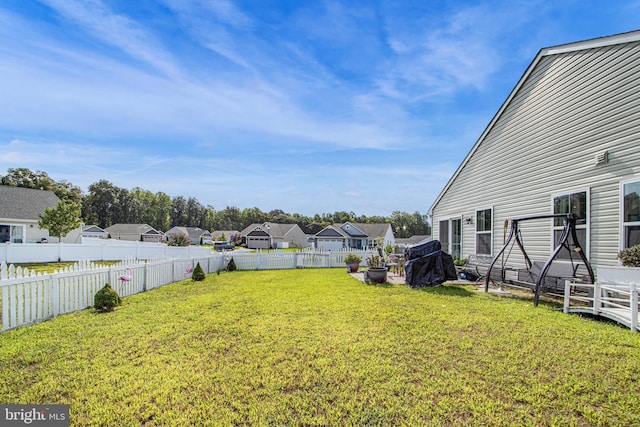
(353, 267)
(377, 275)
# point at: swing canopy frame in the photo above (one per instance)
(568, 232)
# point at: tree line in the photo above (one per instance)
(106, 204)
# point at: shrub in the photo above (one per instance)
(178, 239)
(375, 261)
(198, 274)
(106, 299)
(630, 257)
(231, 266)
(352, 259)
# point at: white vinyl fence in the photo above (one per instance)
(28, 297)
(101, 250)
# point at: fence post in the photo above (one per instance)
(54, 295)
(5, 307)
(634, 307)
(144, 276)
(567, 296)
(596, 298)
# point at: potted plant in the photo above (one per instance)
(377, 271)
(630, 257)
(353, 262)
(628, 273)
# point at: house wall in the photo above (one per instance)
(389, 238)
(296, 237)
(31, 233)
(126, 236)
(571, 107)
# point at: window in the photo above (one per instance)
(17, 233)
(630, 214)
(484, 231)
(456, 238)
(450, 236)
(11, 233)
(576, 203)
(4, 233)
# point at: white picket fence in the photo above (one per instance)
(29, 297)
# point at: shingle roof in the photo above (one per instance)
(131, 229)
(92, 229)
(227, 233)
(25, 203)
(275, 230)
(190, 231)
(371, 230)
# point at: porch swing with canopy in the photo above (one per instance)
(538, 271)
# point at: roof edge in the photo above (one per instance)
(611, 40)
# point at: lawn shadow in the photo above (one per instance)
(450, 290)
(380, 285)
(526, 295)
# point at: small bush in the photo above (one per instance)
(198, 273)
(178, 239)
(352, 258)
(630, 257)
(231, 266)
(106, 299)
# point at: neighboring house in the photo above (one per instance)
(195, 235)
(566, 140)
(94, 232)
(351, 235)
(418, 239)
(272, 235)
(134, 232)
(20, 210)
(227, 234)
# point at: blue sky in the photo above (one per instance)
(304, 106)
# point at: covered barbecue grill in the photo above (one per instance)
(428, 265)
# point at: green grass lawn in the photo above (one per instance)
(317, 347)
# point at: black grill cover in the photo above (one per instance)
(422, 250)
(427, 265)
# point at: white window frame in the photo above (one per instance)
(12, 235)
(476, 232)
(456, 218)
(12, 232)
(587, 226)
(449, 220)
(623, 224)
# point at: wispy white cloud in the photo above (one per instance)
(228, 13)
(95, 17)
(453, 52)
(319, 106)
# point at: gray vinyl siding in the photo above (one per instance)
(569, 108)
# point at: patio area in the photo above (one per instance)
(397, 279)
